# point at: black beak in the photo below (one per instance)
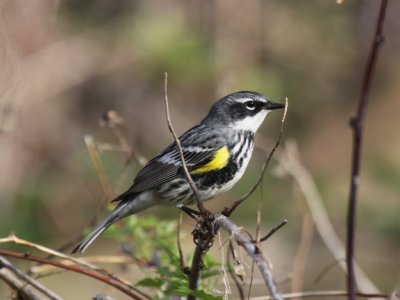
(272, 105)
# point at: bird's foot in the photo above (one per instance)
(189, 211)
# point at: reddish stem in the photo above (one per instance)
(357, 124)
(101, 277)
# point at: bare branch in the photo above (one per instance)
(112, 120)
(178, 143)
(230, 210)
(357, 124)
(302, 253)
(253, 250)
(258, 234)
(19, 285)
(289, 160)
(272, 232)
(182, 262)
(116, 259)
(110, 280)
(94, 156)
(12, 238)
(237, 278)
(203, 234)
(18, 280)
(320, 294)
(195, 269)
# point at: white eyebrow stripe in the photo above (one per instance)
(244, 100)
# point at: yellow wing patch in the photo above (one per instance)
(219, 161)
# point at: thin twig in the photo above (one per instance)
(232, 271)
(94, 156)
(252, 249)
(80, 262)
(110, 280)
(12, 238)
(251, 280)
(258, 234)
(116, 260)
(289, 160)
(178, 143)
(357, 124)
(19, 286)
(325, 270)
(230, 210)
(114, 122)
(182, 262)
(203, 233)
(259, 209)
(322, 294)
(5, 264)
(272, 231)
(303, 250)
(223, 272)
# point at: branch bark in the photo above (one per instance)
(20, 286)
(130, 291)
(203, 234)
(357, 124)
(253, 250)
(23, 284)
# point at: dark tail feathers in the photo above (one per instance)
(114, 216)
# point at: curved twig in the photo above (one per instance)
(230, 210)
(178, 143)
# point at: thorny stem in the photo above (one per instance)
(357, 124)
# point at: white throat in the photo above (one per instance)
(251, 123)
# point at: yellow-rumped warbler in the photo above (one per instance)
(216, 151)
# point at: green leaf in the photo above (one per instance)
(151, 282)
(177, 289)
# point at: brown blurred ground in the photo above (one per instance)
(63, 63)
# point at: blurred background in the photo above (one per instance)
(64, 63)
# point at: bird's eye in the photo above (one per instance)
(251, 105)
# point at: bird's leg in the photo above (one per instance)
(190, 212)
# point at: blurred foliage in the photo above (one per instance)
(153, 240)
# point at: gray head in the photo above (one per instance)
(242, 110)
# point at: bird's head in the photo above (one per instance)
(242, 110)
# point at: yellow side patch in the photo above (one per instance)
(219, 161)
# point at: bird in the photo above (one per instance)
(216, 152)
